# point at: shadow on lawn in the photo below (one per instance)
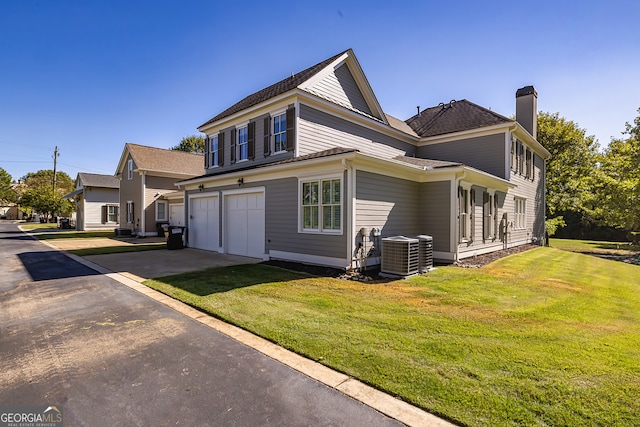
(224, 279)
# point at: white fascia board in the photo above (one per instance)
(339, 111)
(269, 172)
(352, 63)
(264, 107)
(522, 134)
(471, 133)
(484, 179)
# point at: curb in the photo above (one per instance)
(380, 401)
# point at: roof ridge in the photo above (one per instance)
(275, 89)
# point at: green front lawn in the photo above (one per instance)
(546, 337)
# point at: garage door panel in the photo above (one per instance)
(204, 223)
(245, 229)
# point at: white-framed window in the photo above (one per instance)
(112, 213)
(529, 164)
(520, 211)
(489, 215)
(129, 212)
(162, 210)
(321, 205)
(214, 151)
(465, 209)
(279, 121)
(130, 169)
(243, 143)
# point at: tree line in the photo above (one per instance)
(591, 193)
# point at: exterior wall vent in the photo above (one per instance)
(400, 257)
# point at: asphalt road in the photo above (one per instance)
(108, 355)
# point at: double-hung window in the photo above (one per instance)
(213, 151)
(280, 132)
(129, 212)
(489, 215)
(243, 143)
(519, 221)
(161, 210)
(112, 213)
(465, 206)
(321, 205)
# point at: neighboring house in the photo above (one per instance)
(147, 186)
(10, 210)
(311, 169)
(97, 202)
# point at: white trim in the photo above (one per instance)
(351, 201)
(246, 190)
(310, 259)
(272, 135)
(320, 179)
(204, 194)
(166, 210)
(466, 134)
(143, 206)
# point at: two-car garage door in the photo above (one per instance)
(243, 228)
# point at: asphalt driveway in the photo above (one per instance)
(108, 355)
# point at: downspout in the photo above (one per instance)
(350, 187)
(143, 209)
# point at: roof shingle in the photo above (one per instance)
(97, 180)
(274, 90)
(168, 161)
(455, 116)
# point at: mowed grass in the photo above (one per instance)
(545, 337)
(594, 246)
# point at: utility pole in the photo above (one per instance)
(55, 161)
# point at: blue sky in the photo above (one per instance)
(90, 75)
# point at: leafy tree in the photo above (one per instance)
(619, 185)
(39, 195)
(191, 144)
(6, 192)
(570, 171)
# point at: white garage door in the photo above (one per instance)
(245, 224)
(204, 223)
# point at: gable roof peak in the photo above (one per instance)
(284, 85)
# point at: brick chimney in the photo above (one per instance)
(527, 109)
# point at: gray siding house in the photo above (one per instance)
(311, 169)
(97, 203)
(147, 195)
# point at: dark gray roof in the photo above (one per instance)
(426, 163)
(96, 180)
(274, 90)
(455, 116)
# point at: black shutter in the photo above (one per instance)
(221, 149)
(251, 140)
(206, 152)
(291, 128)
(267, 136)
(232, 145)
(104, 214)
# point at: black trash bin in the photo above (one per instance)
(174, 239)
